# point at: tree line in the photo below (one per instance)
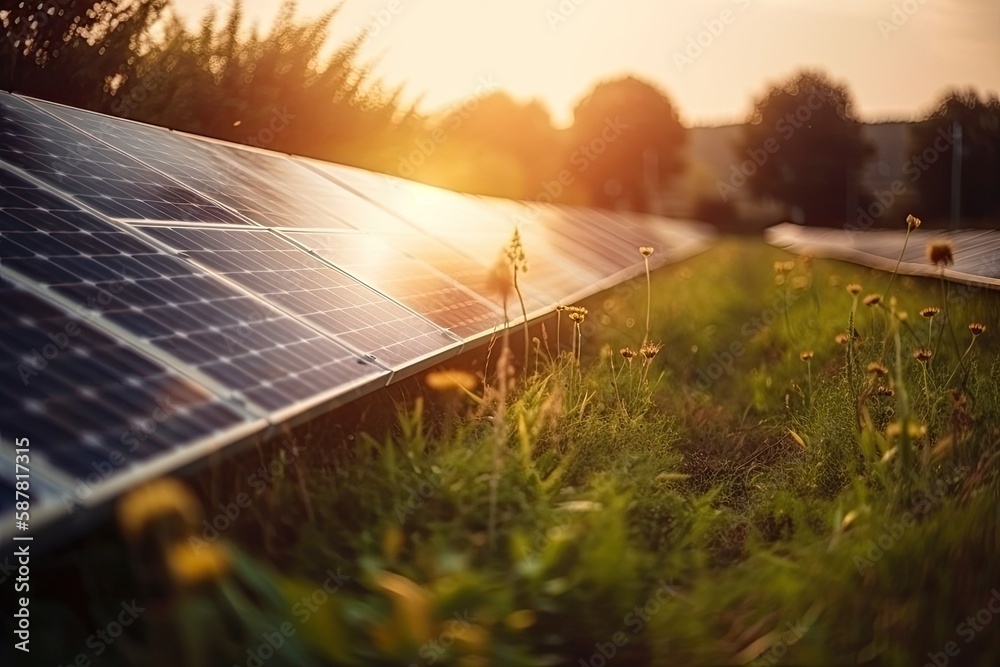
(283, 89)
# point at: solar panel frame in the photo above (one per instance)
(59, 478)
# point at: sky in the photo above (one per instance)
(712, 57)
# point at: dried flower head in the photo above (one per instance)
(645, 251)
(977, 329)
(923, 354)
(882, 390)
(577, 317)
(940, 253)
(873, 300)
(854, 289)
(560, 308)
(515, 253)
(841, 338)
(912, 222)
(627, 353)
(650, 350)
(877, 369)
(806, 355)
(930, 312)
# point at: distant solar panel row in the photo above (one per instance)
(162, 291)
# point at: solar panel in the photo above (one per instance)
(89, 403)
(99, 176)
(240, 342)
(266, 188)
(301, 284)
(315, 201)
(411, 282)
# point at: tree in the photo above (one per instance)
(803, 146)
(626, 140)
(933, 151)
(73, 51)
(491, 145)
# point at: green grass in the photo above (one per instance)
(726, 502)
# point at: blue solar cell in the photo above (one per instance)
(167, 301)
(94, 173)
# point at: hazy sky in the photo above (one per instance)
(895, 65)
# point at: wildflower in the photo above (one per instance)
(645, 251)
(577, 317)
(940, 253)
(800, 282)
(515, 253)
(877, 369)
(912, 222)
(650, 350)
(854, 289)
(162, 499)
(806, 355)
(882, 390)
(191, 566)
(923, 354)
(930, 312)
(560, 308)
(895, 429)
(627, 353)
(977, 329)
(782, 268)
(873, 300)
(445, 380)
(841, 338)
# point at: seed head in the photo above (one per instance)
(940, 253)
(923, 354)
(877, 369)
(854, 289)
(576, 317)
(645, 251)
(627, 353)
(930, 312)
(650, 350)
(977, 329)
(806, 355)
(912, 222)
(873, 300)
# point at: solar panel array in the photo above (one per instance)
(163, 295)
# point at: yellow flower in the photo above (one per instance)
(923, 354)
(841, 339)
(190, 566)
(645, 251)
(977, 329)
(445, 380)
(627, 352)
(650, 350)
(806, 355)
(157, 500)
(854, 289)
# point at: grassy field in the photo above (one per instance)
(763, 489)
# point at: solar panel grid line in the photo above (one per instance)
(95, 319)
(322, 194)
(317, 294)
(229, 314)
(94, 120)
(407, 281)
(294, 240)
(94, 174)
